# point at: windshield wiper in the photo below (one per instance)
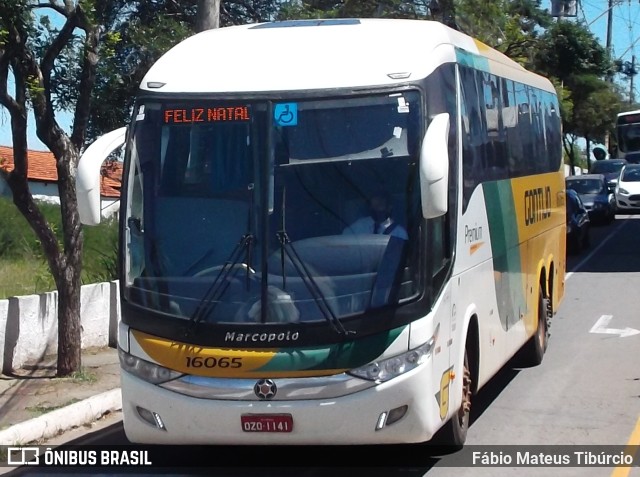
(220, 284)
(287, 249)
(316, 293)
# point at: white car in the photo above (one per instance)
(628, 188)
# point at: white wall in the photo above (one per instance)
(29, 326)
(48, 192)
(110, 207)
(577, 170)
(45, 191)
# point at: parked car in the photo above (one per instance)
(609, 167)
(578, 224)
(597, 196)
(628, 188)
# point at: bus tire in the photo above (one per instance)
(453, 434)
(537, 345)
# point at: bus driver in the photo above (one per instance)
(379, 220)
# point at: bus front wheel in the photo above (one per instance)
(454, 433)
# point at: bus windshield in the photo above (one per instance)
(629, 137)
(248, 212)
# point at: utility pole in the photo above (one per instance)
(608, 46)
(633, 68)
(609, 32)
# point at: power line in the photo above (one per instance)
(617, 15)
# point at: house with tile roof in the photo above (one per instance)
(43, 179)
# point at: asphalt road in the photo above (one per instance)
(585, 393)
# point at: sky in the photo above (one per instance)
(625, 31)
(625, 43)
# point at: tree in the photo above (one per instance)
(358, 9)
(38, 57)
(145, 31)
(510, 26)
(596, 104)
(568, 52)
(208, 15)
(568, 49)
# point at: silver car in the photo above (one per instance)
(597, 196)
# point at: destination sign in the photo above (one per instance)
(206, 115)
(631, 118)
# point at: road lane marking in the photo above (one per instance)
(600, 326)
(631, 449)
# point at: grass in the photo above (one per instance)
(24, 277)
(39, 410)
(84, 376)
(23, 268)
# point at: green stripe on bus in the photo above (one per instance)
(507, 262)
(348, 355)
(473, 60)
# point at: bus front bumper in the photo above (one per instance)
(155, 415)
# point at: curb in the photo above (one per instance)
(55, 422)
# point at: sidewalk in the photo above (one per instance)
(35, 405)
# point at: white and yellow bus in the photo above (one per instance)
(252, 312)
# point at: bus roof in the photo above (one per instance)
(627, 118)
(626, 113)
(321, 54)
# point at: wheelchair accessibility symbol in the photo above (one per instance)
(285, 114)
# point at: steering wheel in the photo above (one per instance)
(241, 267)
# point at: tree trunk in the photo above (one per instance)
(444, 12)
(67, 271)
(69, 327)
(207, 15)
(568, 148)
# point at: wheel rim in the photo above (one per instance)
(465, 408)
(542, 324)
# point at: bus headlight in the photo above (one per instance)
(386, 369)
(150, 372)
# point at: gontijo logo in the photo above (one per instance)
(537, 205)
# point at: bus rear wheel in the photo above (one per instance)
(537, 345)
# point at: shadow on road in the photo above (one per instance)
(617, 246)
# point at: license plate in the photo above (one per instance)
(267, 422)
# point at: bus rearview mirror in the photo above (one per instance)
(434, 167)
(88, 175)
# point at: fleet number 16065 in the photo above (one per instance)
(211, 362)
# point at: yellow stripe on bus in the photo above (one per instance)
(219, 362)
(193, 359)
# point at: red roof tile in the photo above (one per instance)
(42, 167)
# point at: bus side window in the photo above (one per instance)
(473, 133)
(437, 245)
